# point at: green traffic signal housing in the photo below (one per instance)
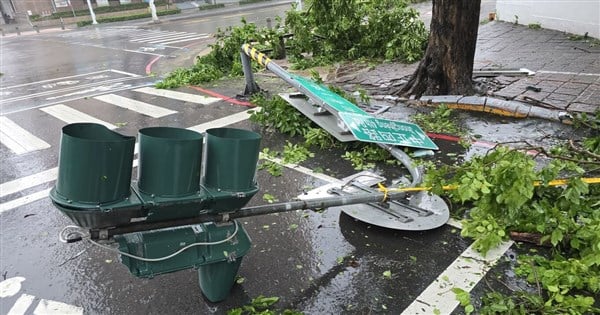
(94, 187)
(181, 174)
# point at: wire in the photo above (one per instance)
(173, 254)
(69, 239)
(83, 235)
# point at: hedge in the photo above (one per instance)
(98, 10)
(128, 17)
(211, 6)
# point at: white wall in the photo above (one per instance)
(572, 16)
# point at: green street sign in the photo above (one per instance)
(318, 92)
(371, 129)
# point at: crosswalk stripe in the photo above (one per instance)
(186, 97)
(137, 106)
(28, 182)
(71, 116)
(156, 36)
(18, 139)
(185, 40)
(54, 307)
(21, 305)
(162, 40)
(225, 121)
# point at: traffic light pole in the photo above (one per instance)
(317, 203)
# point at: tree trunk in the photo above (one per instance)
(447, 67)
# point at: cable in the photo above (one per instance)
(82, 235)
(69, 239)
(173, 254)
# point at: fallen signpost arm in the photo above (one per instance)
(317, 203)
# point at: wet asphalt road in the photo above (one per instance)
(317, 262)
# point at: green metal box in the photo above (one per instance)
(217, 254)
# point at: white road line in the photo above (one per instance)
(48, 307)
(125, 73)
(74, 98)
(464, 273)
(143, 52)
(137, 106)
(144, 37)
(67, 89)
(21, 305)
(186, 97)
(185, 40)
(155, 36)
(162, 40)
(50, 80)
(18, 139)
(71, 116)
(15, 203)
(28, 182)
(225, 121)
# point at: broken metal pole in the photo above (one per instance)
(251, 86)
(317, 203)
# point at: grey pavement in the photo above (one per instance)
(567, 70)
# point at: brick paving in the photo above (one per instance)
(567, 71)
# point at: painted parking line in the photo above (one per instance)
(71, 116)
(136, 106)
(19, 140)
(180, 96)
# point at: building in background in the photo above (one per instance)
(574, 16)
(15, 10)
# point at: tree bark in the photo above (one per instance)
(447, 67)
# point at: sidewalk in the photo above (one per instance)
(567, 72)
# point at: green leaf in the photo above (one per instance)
(387, 274)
